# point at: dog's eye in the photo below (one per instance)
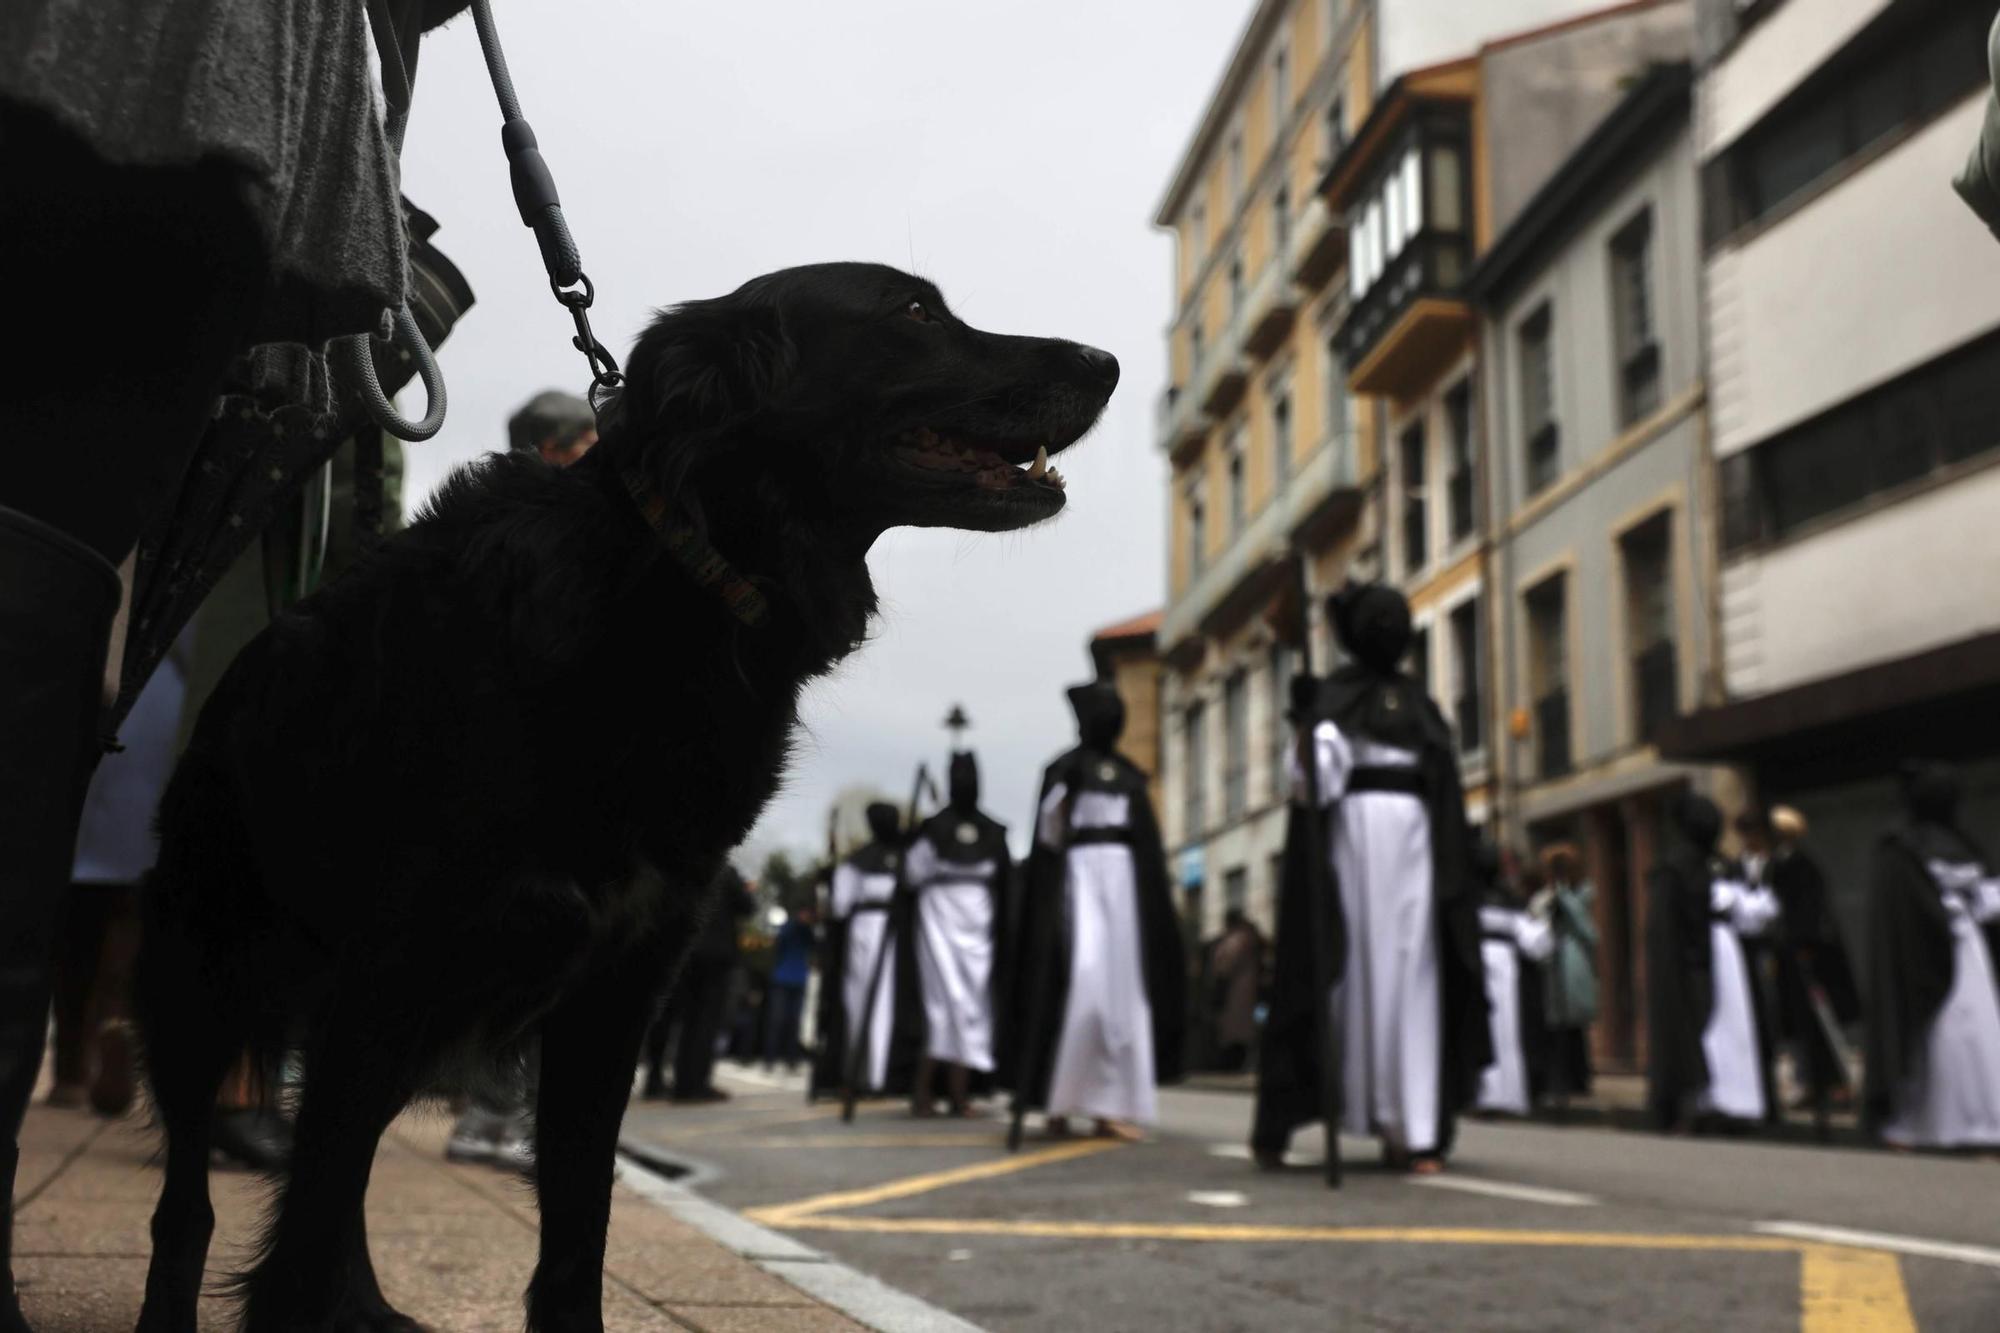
(915, 310)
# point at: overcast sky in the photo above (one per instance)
(1012, 152)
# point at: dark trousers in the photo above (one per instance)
(692, 1020)
(784, 1010)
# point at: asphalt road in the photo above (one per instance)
(1534, 1227)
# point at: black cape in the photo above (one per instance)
(989, 844)
(1392, 710)
(906, 1042)
(1039, 990)
(1911, 964)
(1680, 988)
(1809, 952)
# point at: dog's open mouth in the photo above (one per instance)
(989, 465)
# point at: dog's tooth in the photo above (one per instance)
(1041, 466)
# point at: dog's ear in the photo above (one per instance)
(705, 364)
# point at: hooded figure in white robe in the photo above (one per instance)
(1400, 939)
(1513, 942)
(875, 997)
(1934, 1002)
(959, 869)
(1710, 1048)
(1101, 1004)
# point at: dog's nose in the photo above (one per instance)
(1100, 365)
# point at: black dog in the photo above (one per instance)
(470, 795)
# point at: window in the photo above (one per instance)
(1281, 219)
(1281, 89)
(1416, 514)
(1420, 657)
(1236, 165)
(1649, 623)
(1195, 348)
(1467, 712)
(1195, 787)
(1336, 128)
(1239, 488)
(1548, 674)
(1236, 283)
(1939, 415)
(1235, 745)
(1236, 888)
(1637, 346)
(1339, 402)
(1464, 480)
(1281, 436)
(1198, 234)
(1197, 533)
(1917, 60)
(1281, 729)
(1538, 400)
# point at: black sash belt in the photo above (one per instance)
(1499, 936)
(1083, 836)
(881, 905)
(1383, 778)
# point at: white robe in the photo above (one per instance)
(954, 953)
(1389, 1001)
(1103, 1065)
(865, 933)
(1735, 1057)
(1508, 935)
(1951, 1098)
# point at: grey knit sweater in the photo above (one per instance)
(280, 88)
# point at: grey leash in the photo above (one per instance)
(541, 209)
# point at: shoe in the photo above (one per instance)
(654, 1091)
(114, 1089)
(57, 597)
(253, 1137)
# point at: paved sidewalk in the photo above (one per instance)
(453, 1245)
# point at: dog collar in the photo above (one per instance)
(695, 554)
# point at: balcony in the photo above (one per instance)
(1220, 381)
(1552, 755)
(1271, 309)
(1318, 246)
(1656, 685)
(1410, 321)
(1179, 425)
(1322, 502)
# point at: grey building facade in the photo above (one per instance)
(1601, 508)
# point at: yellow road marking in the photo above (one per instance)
(788, 1214)
(1841, 1289)
(1852, 1291)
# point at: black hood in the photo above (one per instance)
(1372, 622)
(1100, 714)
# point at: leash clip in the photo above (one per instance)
(604, 372)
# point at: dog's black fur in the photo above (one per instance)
(468, 797)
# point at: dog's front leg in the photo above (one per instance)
(590, 1044)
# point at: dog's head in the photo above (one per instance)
(853, 392)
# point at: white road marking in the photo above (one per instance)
(1235, 1152)
(1500, 1189)
(758, 1078)
(1218, 1198)
(1882, 1240)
